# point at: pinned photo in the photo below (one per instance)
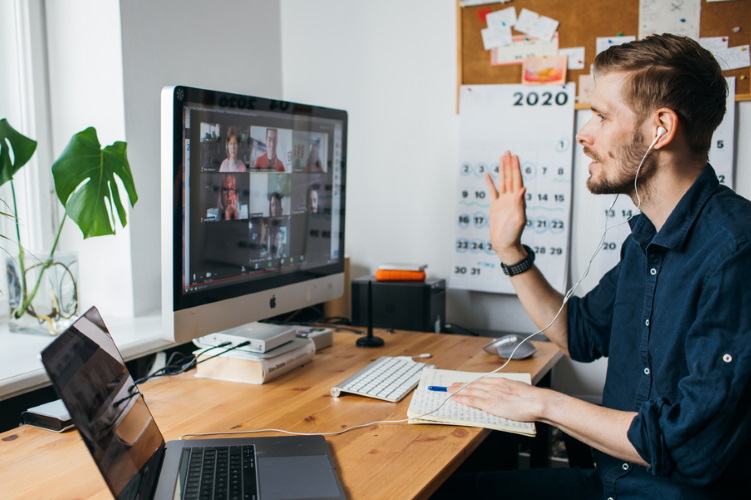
(544, 70)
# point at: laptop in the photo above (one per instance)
(110, 413)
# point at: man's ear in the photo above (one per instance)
(664, 119)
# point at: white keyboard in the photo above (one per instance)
(387, 378)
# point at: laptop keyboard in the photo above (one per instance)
(226, 472)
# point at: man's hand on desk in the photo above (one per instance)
(603, 428)
(504, 398)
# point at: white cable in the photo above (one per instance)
(566, 298)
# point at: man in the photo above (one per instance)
(672, 316)
(269, 160)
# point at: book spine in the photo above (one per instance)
(278, 365)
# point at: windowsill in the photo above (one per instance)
(21, 370)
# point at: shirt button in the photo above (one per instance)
(624, 466)
(727, 358)
(646, 371)
(646, 322)
(653, 271)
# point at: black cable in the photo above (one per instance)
(241, 344)
(174, 366)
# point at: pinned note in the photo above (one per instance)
(523, 46)
(679, 18)
(536, 25)
(496, 36)
(733, 57)
(605, 42)
(502, 18)
(713, 43)
(544, 70)
(575, 57)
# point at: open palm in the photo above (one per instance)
(507, 207)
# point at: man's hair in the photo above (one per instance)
(674, 72)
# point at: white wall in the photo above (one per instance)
(392, 65)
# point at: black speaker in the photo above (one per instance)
(401, 305)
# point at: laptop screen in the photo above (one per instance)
(90, 377)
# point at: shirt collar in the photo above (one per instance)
(681, 219)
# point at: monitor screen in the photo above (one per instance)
(253, 208)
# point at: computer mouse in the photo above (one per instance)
(504, 346)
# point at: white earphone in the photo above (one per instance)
(660, 132)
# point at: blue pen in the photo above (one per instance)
(437, 388)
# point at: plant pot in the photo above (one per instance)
(54, 304)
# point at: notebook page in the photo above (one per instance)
(425, 401)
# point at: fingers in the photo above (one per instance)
(509, 175)
(512, 173)
(491, 187)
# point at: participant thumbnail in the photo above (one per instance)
(310, 193)
(310, 152)
(273, 148)
(224, 197)
(224, 147)
(270, 195)
(269, 241)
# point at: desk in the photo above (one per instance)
(381, 461)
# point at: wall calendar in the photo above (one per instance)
(535, 123)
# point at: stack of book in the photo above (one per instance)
(255, 368)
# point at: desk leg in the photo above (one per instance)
(539, 453)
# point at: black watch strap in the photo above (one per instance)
(524, 265)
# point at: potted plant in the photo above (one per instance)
(85, 182)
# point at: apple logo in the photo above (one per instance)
(272, 302)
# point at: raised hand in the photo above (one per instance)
(507, 209)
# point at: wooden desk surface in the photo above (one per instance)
(394, 460)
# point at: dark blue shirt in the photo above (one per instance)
(674, 319)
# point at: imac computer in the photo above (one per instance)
(253, 206)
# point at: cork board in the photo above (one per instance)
(581, 23)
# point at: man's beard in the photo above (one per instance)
(628, 158)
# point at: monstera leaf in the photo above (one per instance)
(23, 148)
(85, 183)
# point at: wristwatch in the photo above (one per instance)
(524, 265)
